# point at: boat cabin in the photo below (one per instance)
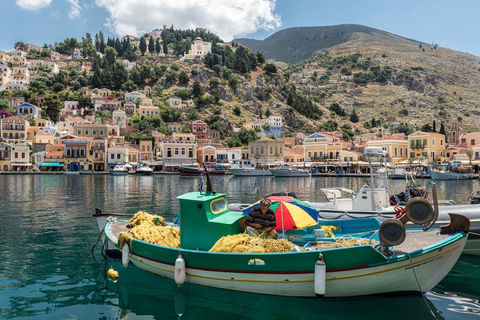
(205, 218)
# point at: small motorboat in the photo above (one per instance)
(144, 170)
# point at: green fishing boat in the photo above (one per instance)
(404, 261)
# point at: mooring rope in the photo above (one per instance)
(420, 288)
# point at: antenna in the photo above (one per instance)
(209, 182)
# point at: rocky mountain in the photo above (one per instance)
(378, 74)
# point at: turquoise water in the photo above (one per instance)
(48, 272)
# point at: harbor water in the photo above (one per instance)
(50, 269)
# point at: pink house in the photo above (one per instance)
(199, 128)
(130, 108)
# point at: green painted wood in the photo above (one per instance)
(200, 227)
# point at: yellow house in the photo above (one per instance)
(14, 129)
(206, 154)
(149, 111)
(294, 155)
(349, 156)
(119, 117)
(429, 145)
(20, 157)
(5, 156)
(396, 148)
(45, 138)
(146, 152)
(254, 125)
(318, 148)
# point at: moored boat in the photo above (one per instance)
(144, 170)
(120, 169)
(248, 168)
(290, 172)
(455, 173)
(195, 171)
(394, 266)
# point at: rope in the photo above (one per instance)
(345, 213)
(420, 288)
(474, 233)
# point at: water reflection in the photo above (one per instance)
(143, 293)
(48, 272)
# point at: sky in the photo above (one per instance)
(453, 24)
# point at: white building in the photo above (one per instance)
(133, 96)
(274, 121)
(198, 49)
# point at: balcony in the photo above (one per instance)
(99, 147)
(418, 147)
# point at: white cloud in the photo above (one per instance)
(226, 18)
(33, 4)
(74, 9)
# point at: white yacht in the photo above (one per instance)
(120, 169)
(144, 170)
(248, 168)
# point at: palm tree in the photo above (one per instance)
(470, 156)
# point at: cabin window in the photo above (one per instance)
(218, 206)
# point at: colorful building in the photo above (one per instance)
(427, 145)
(267, 150)
(318, 148)
(397, 149)
(14, 130)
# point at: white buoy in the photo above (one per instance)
(125, 255)
(320, 277)
(180, 270)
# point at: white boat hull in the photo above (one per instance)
(290, 173)
(250, 172)
(430, 268)
(448, 175)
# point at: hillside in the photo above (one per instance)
(384, 75)
(293, 45)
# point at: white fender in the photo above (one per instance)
(180, 270)
(320, 277)
(125, 255)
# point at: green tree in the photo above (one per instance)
(354, 116)
(233, 83)
(184, 94)
(129, 86)
(374, 123)
(151, 45)
(53, 104)
(30, 119)
(197, 89)
(270, 68)
(260, 58)
(434, 127)
(143, 45)
(158, 48)
(214, 82)
(237, 111)
(183, 78)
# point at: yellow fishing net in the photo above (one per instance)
(150, 228)
(247, 244)
(329, 230)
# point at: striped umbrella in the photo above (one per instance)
(290, 213)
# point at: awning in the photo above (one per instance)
(52, 164)
(21, 164)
